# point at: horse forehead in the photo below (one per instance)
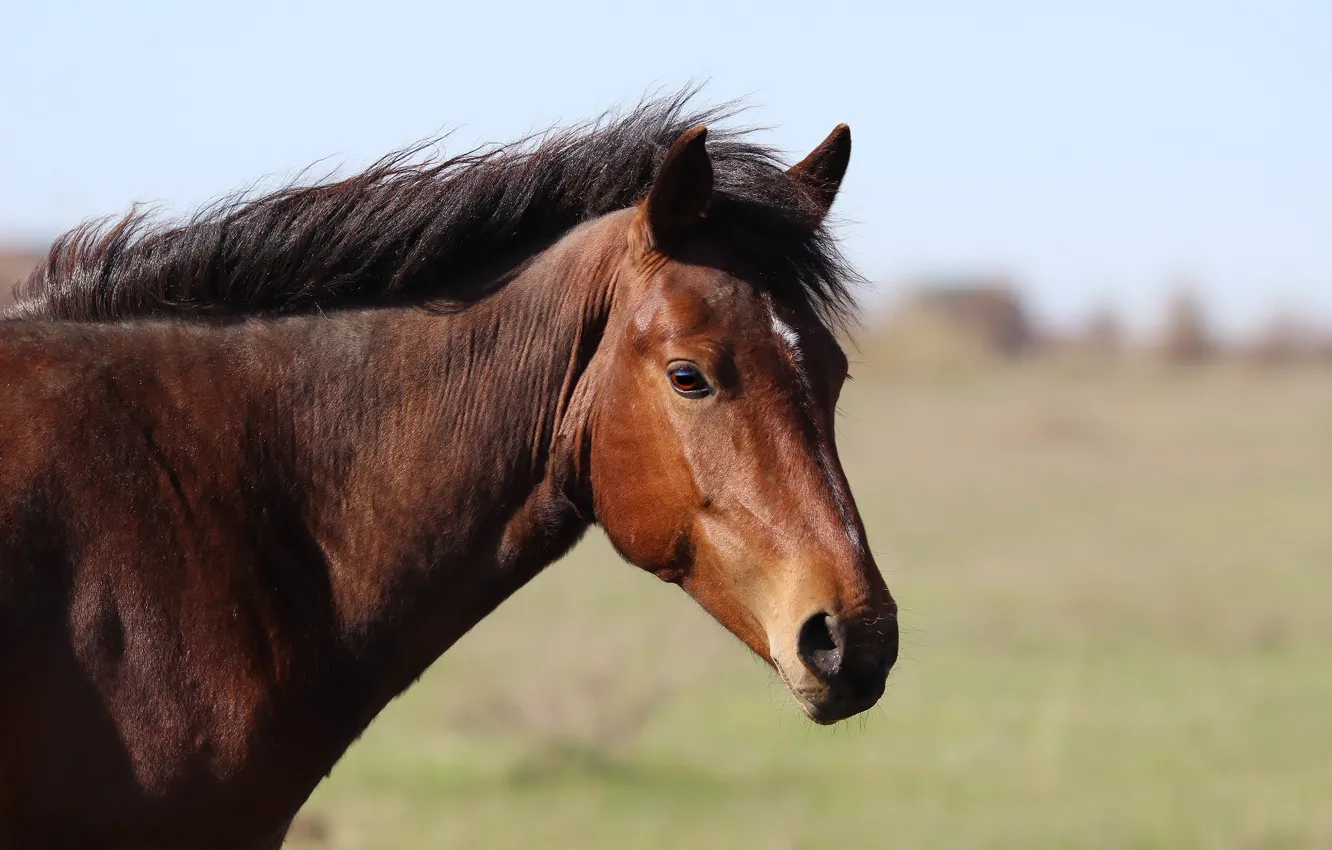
(701, 301)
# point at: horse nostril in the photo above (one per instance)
(820, 645)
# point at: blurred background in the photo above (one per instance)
(1090, 426)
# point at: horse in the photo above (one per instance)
(260, 468)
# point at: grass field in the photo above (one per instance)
(1117, 595)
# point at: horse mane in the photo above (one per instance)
(413, 227)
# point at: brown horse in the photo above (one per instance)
(259, 470)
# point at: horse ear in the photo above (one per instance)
(683, 187)
(822, 171)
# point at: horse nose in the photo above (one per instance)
(825, 648)
(890, 644)
(820, 645)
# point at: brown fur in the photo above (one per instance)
(224, 547)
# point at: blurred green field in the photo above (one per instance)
(1116, 584)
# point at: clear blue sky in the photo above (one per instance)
(1098, 151)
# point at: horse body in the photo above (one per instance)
(260, 541)
(235, 524)
(132, 694)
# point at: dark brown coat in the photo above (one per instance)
(241, 511)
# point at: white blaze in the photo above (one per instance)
(787, 334)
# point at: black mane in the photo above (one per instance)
(410, 227)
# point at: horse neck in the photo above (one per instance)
(440, 453)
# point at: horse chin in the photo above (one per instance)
(830, 711)
(820, 702)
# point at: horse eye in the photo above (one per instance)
(688, 381)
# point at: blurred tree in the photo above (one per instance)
(990, 312)
(1187, 337)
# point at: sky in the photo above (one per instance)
(1098, 153)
